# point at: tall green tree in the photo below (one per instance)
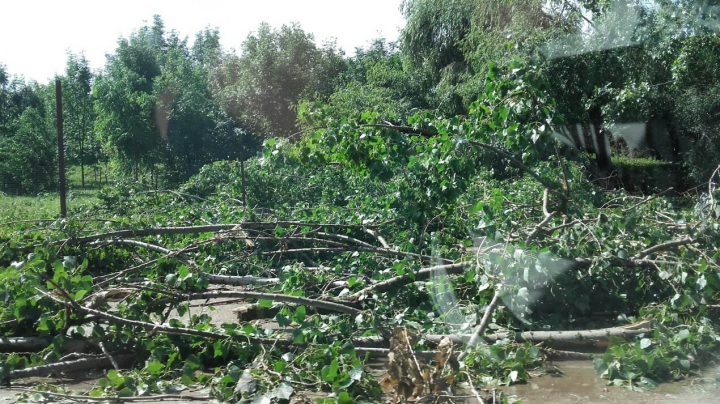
(78, 113)
(28, 154)
(376, 79)
(125, 102)
(277, 68)
(193, 127)
(451, 42)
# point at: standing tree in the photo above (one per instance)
(28, 152)
(277, 69)
(125, 102)
(79, 117)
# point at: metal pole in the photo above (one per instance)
(61, 148)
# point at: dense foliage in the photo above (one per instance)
(484, 177)
(626, 77)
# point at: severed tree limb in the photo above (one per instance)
(13, 222)
(576, 338)
(218, 279)
(136, 243)
(540, 225)
(585, 263)
(513, 159)
(176, 193)
(320, 304)
(483, 323)
(152, 327)
(647, 200)
(212, 228)
(663, 247)
(66, 366)
(550, 186)
(109, 355)
(379, 238)
(155, 398)
(239, 280)
(346, 238)
(377, 250)
(402, 280)
(560, 355)
(403, 129)
(105, 279)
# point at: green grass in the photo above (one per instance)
(639, 162)
(649, 176)
(74, 179)
(47, 205)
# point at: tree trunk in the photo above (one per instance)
(82, 164)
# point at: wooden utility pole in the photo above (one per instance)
(61, 148)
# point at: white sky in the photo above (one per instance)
(35, 34)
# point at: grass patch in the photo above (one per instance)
(649, 176)
(47, 205)
(44, 206)
(94, 177)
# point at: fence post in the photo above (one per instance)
(61, 148)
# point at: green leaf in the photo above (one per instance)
(264, 303)
(299, 315)
(345, 398)
(154, 367)
(329, 373)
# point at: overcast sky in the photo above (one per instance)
(35, 34)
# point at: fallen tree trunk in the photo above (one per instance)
(578, 338)
(74, 365)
